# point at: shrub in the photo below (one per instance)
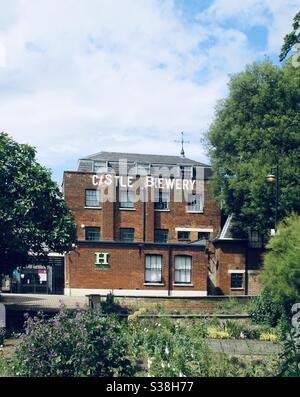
(233, 328)
(289, 360)
(2, 335)
(268, 336)
(81, 343)
(266, 310)
(214, 333)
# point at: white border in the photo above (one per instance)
(193, 229)
(132, 292)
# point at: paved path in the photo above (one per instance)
(34, 302)
(243, 347)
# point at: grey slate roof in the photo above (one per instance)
(144, 158)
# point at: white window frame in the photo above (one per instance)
(105, 166)
(86, 205)
(152, 265)
(127, 192)
(196, 207)
(186, 270)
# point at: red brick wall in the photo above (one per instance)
(110, 218)
(126, 267)
(231, 256)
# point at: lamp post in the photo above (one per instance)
(271, 178)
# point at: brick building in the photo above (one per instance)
(147, 225)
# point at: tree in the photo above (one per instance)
(291, 38)
(33, 215)
(256, 127)
(281, 269)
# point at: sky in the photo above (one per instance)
(81, 76)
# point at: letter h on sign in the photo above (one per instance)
(101, 260)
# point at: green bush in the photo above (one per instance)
(266, 310)
(73, 344)
(2, 335)
(233, 328)
(289, 360)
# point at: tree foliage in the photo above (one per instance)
(257, 125)
(33, 214)
(281, 270)
(291, 38)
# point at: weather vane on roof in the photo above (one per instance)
(182, 142)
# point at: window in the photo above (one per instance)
(183, 236)
(255, 240)
(236, 280)
(203, 236)
(183, 269)
(92, 233)
(161, 200)
(194, 203)
(92, 198)
(126, 234)
(100, 166)
(186, 172)
(127, 198)
(142, 169)
(153, 268)
(161, 235)
(162, 171)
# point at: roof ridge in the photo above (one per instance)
(151, 157)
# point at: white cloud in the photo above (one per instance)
(120, 74)
(2, 56)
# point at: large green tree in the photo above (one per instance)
(281, 270)
(291, 39)
(33, 215)
(256, 127)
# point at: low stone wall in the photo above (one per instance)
(181, 305)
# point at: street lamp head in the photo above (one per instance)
(271, 178)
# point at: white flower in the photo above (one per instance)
(162, 365)
(146, 330)
(167, 351)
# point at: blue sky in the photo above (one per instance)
(78, 76)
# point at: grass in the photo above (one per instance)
(233, 306)
(6, 354)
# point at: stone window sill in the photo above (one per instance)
(93, 208)
(154, 284)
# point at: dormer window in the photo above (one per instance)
(142, 169)
(100, 166)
